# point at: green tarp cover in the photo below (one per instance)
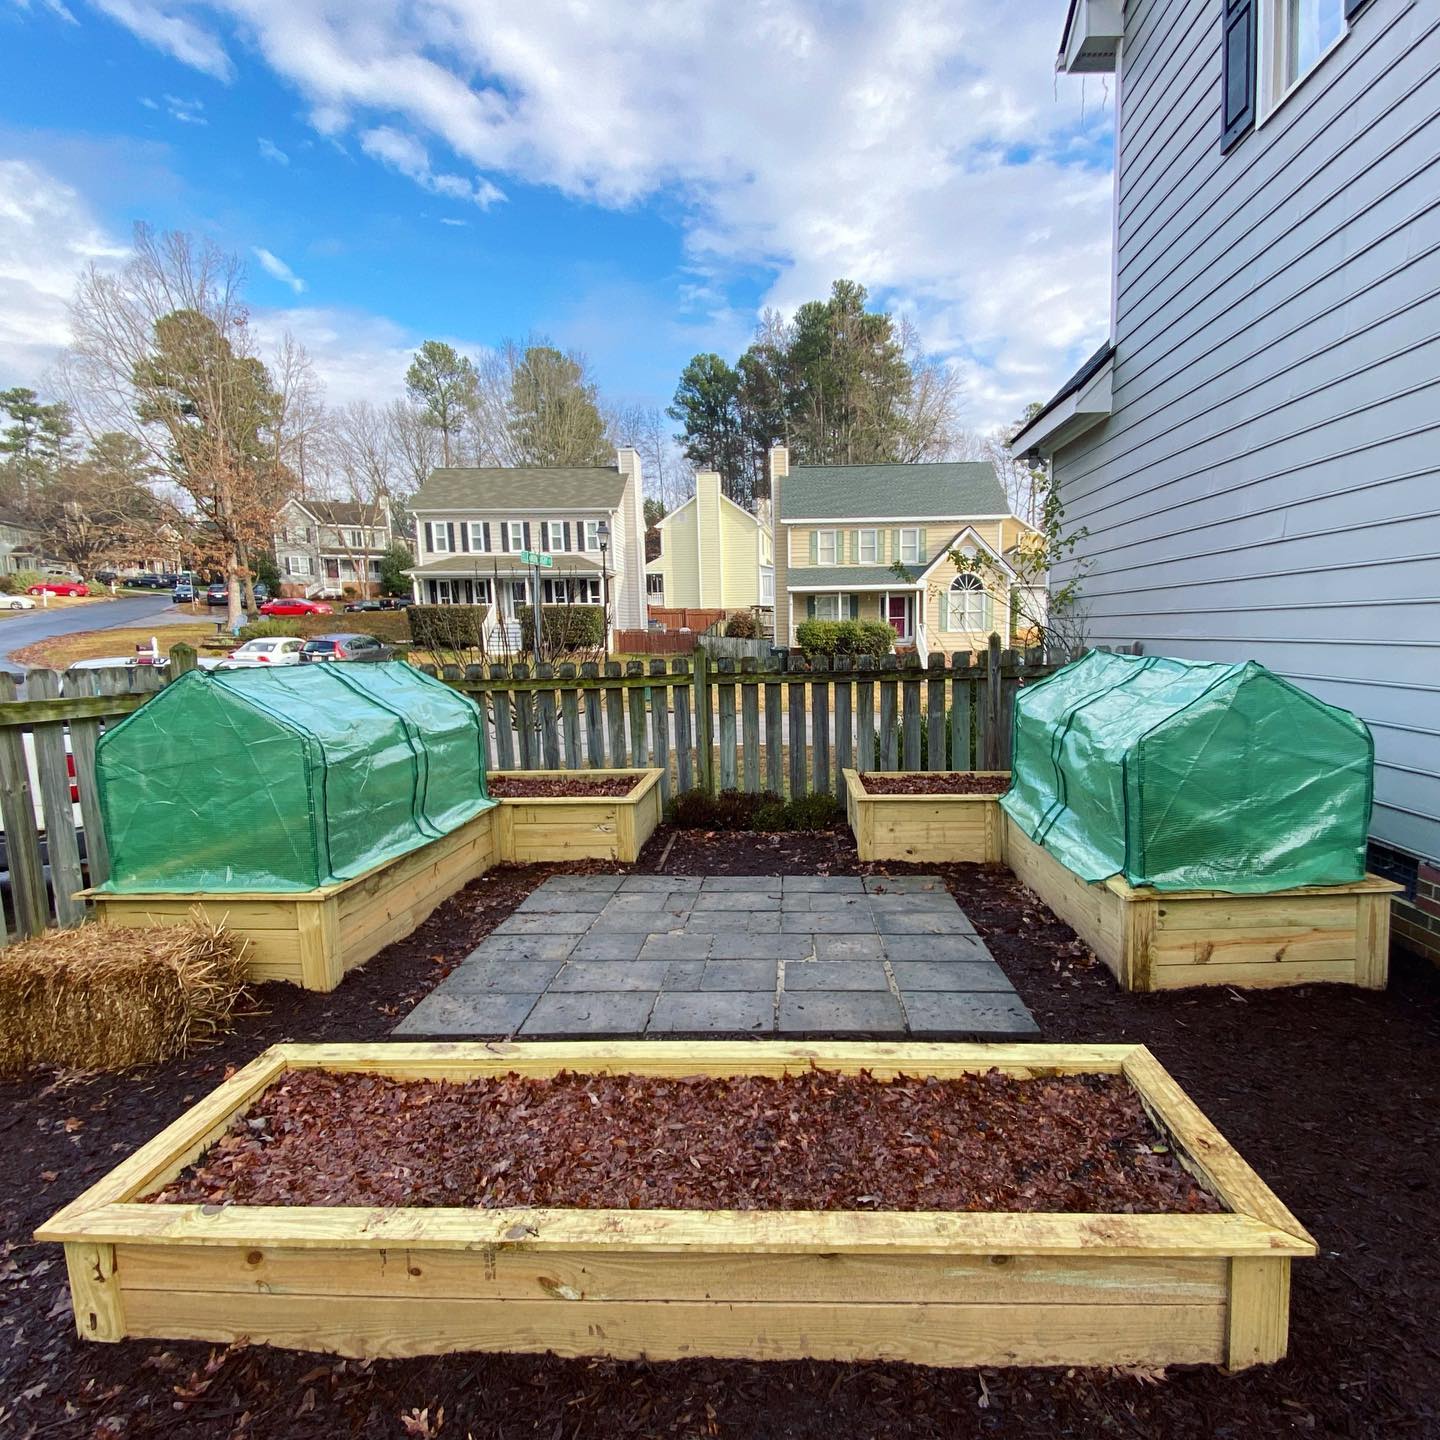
(286, 779)
(1185, 775)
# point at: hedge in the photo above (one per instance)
(844, 637)
(566, 627)
(744, 625)
(447, 627)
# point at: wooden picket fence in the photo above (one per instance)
(789, 728)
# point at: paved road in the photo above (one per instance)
(40, 624)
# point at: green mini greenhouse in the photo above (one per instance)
(286, 779)
(1186, 775)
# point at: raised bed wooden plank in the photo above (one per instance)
(954, 1288)
(921, 828)
(578, 827)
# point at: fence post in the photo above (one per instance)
(61, 843)
(660, 728)
(183, 659)
(22, 835)
(704, 759)
(681, 700)
(993, 708)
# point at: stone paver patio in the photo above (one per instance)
(617, 955)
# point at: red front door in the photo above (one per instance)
(898, 614)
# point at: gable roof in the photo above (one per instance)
(949, 490)
(1077, 382)
(343, 512)
(521, 487)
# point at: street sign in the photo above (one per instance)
(534, 557)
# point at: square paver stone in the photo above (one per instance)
(935, 947)
(543, 901)
(757, 975)
(850, 921)
(959, 1013)
(557, 922)
(524, 947)
(765, 884)
(683, 975)
(754, 922)
(610, 975)
(466, 1013)
(834, 884)
(836, 975)
(915, 921)
(584, 884)
(511, 977)
(950, 975)
(745, 945)
(849, 947)
(606, 945)
(712, 1012)
(840, 1012)
(746, 900)
(660, 884)
(610, 1012)
(680, 945)
(927, 902)
(633, 920)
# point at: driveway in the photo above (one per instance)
(28, 626)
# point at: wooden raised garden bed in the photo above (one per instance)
(579, 826)
(946, 1288)
(312, 937)
(921, 827)
(1165, 940)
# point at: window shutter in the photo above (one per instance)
(853, 606)
(429, 538)
(895, 545)
(945, 610)
(485, 534)
(450, 533)
(1238, 71)
(814, 548)
(526, 532)
(854, 547)
(567, 534)
(924, 546)
(809, 607)
(465, 536)
(580, 536)
(505, 536)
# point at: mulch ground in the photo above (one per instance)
(940, 783)
(1079, 1143)
(514, 787)
(1332, 1093)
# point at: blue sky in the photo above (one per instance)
(637, 182)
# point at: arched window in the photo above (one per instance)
(968, 605)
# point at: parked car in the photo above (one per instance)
(365, 605)
(217, 594)
(321, 648)
(255, 653)
(16, 602)
(60, 587)
(183, 591)
(294, 605)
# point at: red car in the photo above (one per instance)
(60, 587)
(295, 606)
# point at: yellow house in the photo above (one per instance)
(714, 555)
(877, 542)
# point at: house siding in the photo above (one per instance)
(1265, 487)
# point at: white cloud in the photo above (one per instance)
(403, 152)
(187, 112)
(55, 7)
(47, 235)
(275, 267)
(915, 145)
(269, 150)
(160, 24)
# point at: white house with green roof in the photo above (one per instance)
(473, 523)
(875, 542)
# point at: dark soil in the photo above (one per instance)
(1333, 1094)
(513, 787)
(622, 1142)
(940, 783)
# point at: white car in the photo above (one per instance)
(255, 653)
(16, 602)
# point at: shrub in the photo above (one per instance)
(23, 580)
(269, 630)
(738, 810)
(745, 625)
(447, 628)
(844, 637)
(566, 627)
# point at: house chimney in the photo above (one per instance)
(779, 465)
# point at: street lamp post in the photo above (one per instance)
(602, 531)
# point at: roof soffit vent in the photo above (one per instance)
(1091, 42)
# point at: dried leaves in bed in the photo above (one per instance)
(938, 782)
(574, 787)
(817, 1141)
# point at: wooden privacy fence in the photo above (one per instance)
(789, 728)
(727, 724)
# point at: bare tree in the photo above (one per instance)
(668, 478)
(416, 447)
(930, 428)
(163, 352)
